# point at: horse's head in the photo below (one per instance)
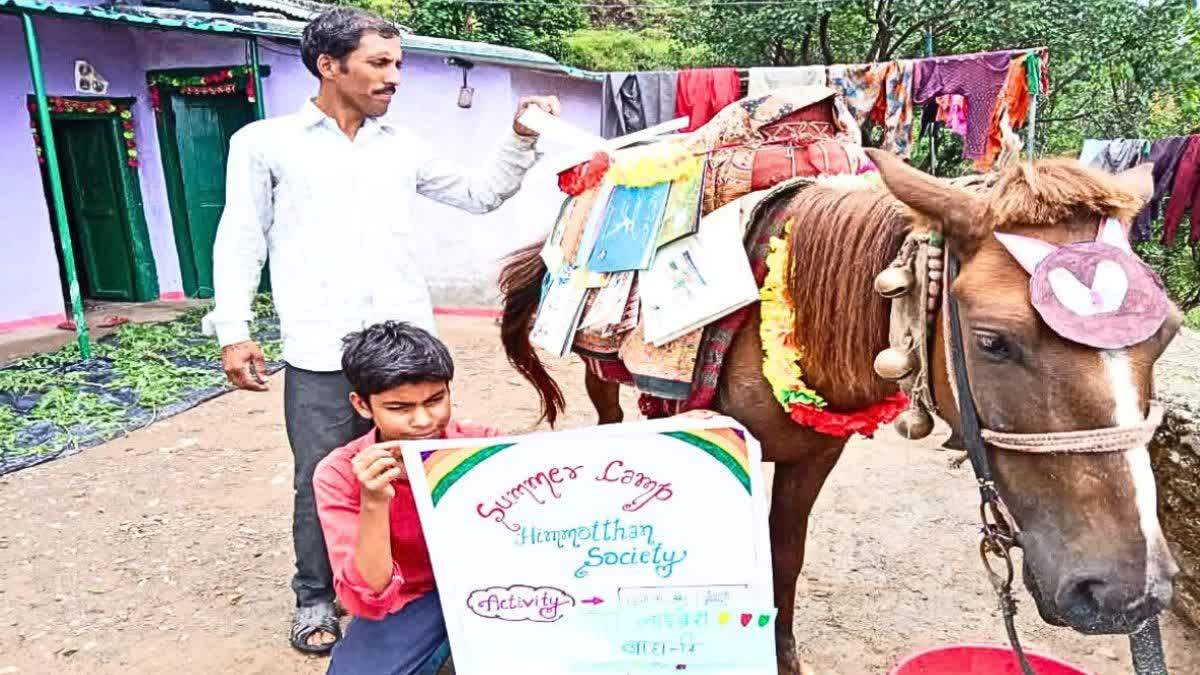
(1094, 555)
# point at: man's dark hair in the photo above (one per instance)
(391, 354)
(337, 32)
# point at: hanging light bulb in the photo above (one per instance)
(466, 95)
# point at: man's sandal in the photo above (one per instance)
(311, 619)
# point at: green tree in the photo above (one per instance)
(538, 25)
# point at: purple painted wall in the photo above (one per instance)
(460, 251)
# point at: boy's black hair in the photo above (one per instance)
(391, 354)
(337, 32)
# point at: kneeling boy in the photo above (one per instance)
(400, 376)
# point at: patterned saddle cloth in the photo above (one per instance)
(756, 147)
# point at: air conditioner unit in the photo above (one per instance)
(88, 81)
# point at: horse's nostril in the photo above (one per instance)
(1092, 603)
(1080, 597)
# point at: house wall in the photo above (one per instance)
(459, 251)
(28, 261)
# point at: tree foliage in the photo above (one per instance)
(538, 25)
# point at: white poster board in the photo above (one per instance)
(616, 549)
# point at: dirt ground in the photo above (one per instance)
(169, 550)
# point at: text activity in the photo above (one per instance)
(520, 603)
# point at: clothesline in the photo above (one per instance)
(1176, 178)
(1003, 87)
(744, 72)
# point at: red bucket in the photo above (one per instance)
(978, 660)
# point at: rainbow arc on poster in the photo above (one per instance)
(444, 468)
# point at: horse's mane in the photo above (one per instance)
(842, 238)
(1054, 193)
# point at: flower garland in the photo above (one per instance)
(782, 358)
(209, 84)
(63, 105)
(583, 177)
(658, 163)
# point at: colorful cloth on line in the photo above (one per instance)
(895, 111)
(860, 86)
(1185, 194)
(978, 77)
(881, 93)
(701, 94)
(952, 111)
(1165, 154)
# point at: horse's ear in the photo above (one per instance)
(1138, 181)
(959, 213)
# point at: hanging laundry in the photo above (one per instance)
(1185, 194)
(882, 93)
(952, 111)
(894, 111)
(930, 123)
(1121, 154)
(1011, 109)
(860, 86)
(766, 80)
(978, 77)
(1165, 154)
(701, 94)
(635, 101)
(1091, 150)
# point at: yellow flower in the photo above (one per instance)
(662, 162)
(781, 359)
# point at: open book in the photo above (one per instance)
(698, 279)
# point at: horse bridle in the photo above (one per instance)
(999, 530)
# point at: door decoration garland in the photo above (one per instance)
(224, 81)
(100, 108)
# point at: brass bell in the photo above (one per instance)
(894, 282)
(914, 424)
(893, 364)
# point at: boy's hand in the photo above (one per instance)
(376, 468)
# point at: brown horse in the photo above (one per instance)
(1095, 558)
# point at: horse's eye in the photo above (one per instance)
(994, 345)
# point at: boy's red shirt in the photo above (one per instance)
(337, 492)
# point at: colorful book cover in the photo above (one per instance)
(559, 314)
(682, 215)
(628, 234)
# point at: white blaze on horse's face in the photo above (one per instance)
(1094, 555)
(1160, 567)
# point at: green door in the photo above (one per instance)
(201, 126)
(90, 157)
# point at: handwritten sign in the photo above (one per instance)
(617, 549)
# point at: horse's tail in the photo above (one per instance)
(521, 286)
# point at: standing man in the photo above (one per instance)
(327, 192)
